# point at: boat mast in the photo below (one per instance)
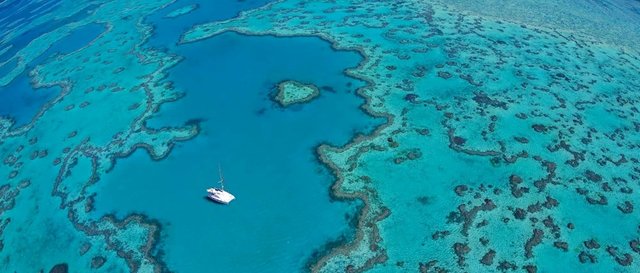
(221, 178)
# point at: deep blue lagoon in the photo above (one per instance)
(21, 103)
(266, 152)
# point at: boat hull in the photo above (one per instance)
(220, 196)
(219, 201)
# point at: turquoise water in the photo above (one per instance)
(78, 38)
(167, 31)
(22, 102)
(266, 152)
(509, 141)
(504, 152)
(19, 42)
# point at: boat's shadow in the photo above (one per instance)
(211, 201)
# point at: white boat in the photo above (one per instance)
(219, 194)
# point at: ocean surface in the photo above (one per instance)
(447, 136)
(266, 153)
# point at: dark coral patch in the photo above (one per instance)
(60, 268)
(97, 262)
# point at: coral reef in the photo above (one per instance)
(292, 92)
(528, 129)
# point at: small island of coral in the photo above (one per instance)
(292, 92)
(182, 11)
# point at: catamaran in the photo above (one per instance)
(219, 194)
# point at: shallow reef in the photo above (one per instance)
(508, 146)
(292, 92)
(182, 11)
(50, 165)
